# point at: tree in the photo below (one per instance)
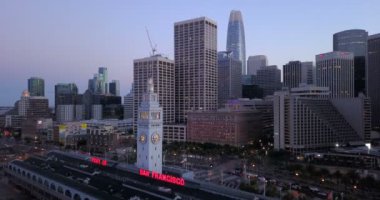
(324, 172)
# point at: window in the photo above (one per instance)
(155, 115)
(52, 186)
(144, 115)
(68, 193)
(46, 183)
(77, 197)
(60, 190)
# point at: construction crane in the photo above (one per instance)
(154, 48)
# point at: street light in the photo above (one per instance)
(368, 145)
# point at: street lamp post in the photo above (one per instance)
(368, 145)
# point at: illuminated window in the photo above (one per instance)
(144, 115)
(155, 115)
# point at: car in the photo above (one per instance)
(313, 189)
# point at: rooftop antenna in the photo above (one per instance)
(154, 48)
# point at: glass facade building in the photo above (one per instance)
(236, 38)
(373, 80)
(354, 41)
(229, 78)
(36, 86)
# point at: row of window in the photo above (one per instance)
(45, 183)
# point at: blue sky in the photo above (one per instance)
(66, 41)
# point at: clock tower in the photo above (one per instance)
(149, 131)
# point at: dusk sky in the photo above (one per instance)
(66, 41)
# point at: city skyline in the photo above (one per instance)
(59, 43)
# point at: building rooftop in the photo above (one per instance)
(68, 182)
(195, 20)
(334, 54)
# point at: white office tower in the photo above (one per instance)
(336, 71)
(149, 131)
(308, 119)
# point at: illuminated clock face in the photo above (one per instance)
(155, 138)
(144, 115)
(142, 138)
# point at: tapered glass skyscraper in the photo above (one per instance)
(236, 38)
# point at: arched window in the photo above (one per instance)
(46, 183)
(39, 180)
(34, 178)
(68, 193)
(52, 186)
(23, 173)
(77, 197)
(28, 175)
(60, 190)
(19, 171)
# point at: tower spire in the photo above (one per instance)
(150, 85)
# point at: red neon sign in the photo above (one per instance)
(98, 161)
(163, 177)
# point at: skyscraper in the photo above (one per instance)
(296, 73)
(229, 78)
(68, 104)
(255, 62)
(99, 83)
(373, 81)
(336, 71)
(114, 88)
(161, 69)
(236, 38)
(36, 86)
(354, 41)
(269, 79)
(305, 119)
(195, 50)
(128, 105)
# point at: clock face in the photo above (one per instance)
(142, 138)
(155, 138)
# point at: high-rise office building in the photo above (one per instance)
(268, 78)
(128, 105)
(68, 104)
(373, 81)
(162, 70)
(310, 77)
(296, 73)
(305, 119)
(99, 83)
(236, 38)
(62, 90)
(114, 88)
(229, 78)
(336, 71)
(255, 62)
(101, 106)
(354, 41)
(196, 78)
(36, 86)
(23, 103)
